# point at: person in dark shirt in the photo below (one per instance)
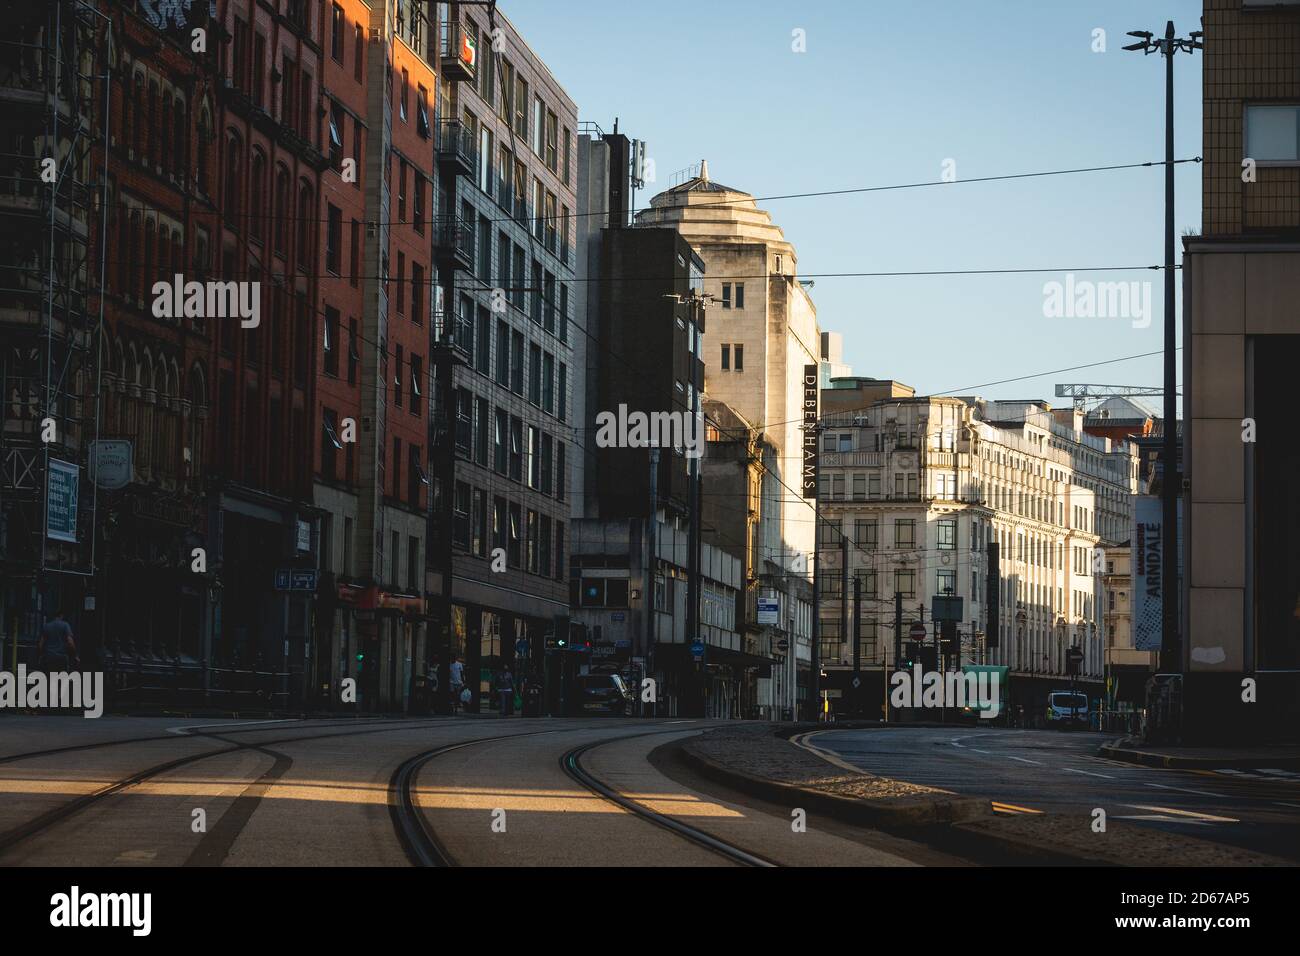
(57, 648)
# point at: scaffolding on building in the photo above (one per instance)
(55, 63)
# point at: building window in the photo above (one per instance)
(331, 344)
(905, 583)
(1273, 133)
(334, 239)
(904, 533)
(947, 529)
(948, 582)
(740, 295)
(726, 358)
(739, 353)
(726, 295)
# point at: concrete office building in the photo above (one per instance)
(762, 333)
(1241, 346)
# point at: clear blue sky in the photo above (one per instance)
(884, 94)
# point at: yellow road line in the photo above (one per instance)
(1012, 808)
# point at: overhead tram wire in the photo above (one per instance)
(814, 194)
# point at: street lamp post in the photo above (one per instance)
(1171, 484)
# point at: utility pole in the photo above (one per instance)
(1171, 483)
(856, 699)
(844, 588)
(651, 565)
(814, 672)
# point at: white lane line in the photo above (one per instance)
(1200, 793)
(1280, 804)
(1183, 813)
(801, 740)
(978, 751)
(690, 721)
(1104, 776)
(1276, 772)
(1023, 760)
(1162, 818)
(188, 728)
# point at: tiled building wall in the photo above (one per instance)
(1250, 57)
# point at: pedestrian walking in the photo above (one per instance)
(57, 648)
(506, 691)
(457, 682)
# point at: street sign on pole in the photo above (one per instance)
(62, 488)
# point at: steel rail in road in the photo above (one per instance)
(24, 831)
(571, 763)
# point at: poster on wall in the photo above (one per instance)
(1148, 565)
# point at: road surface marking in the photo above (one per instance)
(1200, 793)
(187, 728)
(999, 807)
(1280, 804)
(690, 721)
(1163, 819)
(978, 751)
(1184, 813)
(1105, 776)
(1023, 760)
(801, 740)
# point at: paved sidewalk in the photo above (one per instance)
(1132, 750)
(752, 757)
(757, 758)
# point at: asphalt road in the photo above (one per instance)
(164, 791)
(1058, 772)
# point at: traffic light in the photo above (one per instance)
(948, 636)
(558, 638)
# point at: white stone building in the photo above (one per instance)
(761, 332)
(921, 486)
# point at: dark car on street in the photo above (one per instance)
(603, 694)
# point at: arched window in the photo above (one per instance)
(123, 260)
(148, 266)
(234, 162)
(155, 134)
(257, 196)
(137, 274)
(180, 160)
(137, 107)
(283, 203)
(198, 395)
(305, 227)
(165, 132)
(205, 143)
(125, 141)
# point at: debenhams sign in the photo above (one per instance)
(810, 431)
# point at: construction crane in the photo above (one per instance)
(1085, 393)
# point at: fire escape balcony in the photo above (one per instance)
(456, 148)
(457, 52)
(454, 243)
